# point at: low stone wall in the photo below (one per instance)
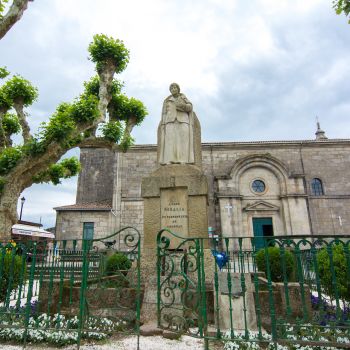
(297, 308)
(102, 298)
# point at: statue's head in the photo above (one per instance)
(174, 88)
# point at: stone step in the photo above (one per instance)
(151, 329)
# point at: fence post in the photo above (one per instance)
(29, 296)
(138, 294)
(229, 285)
(84, 277)
(270, 289)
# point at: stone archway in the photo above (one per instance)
(277, 194)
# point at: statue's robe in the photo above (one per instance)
(176, 131)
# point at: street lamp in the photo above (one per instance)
(22, 203)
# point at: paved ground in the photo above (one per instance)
(128, 343)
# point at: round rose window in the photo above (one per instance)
(258, 186)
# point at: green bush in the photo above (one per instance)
(117, 262)
(275, 261)
(340, 271)
(9, 278)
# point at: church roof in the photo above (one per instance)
(271, 143)
(105, 205)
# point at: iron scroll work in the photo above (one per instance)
(293, 290)
(115, 295)
(61, 291)
(179, 276)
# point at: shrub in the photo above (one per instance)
(12, 270)
(340, 271)
(117, 262)
(275, 261)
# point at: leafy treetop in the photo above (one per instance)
(72, 124)
(104, 50)
(342, 6)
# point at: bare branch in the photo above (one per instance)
(94, 141)
(106, 78)
(13, 15)
(132, 121)
(23, 121)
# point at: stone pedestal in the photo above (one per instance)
(175, 197)
(243, 314)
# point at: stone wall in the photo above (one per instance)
(69, 224)
(105, 174)
(94, 183)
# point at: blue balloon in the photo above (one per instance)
(220, 258)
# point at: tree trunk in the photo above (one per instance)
(8, 211)
(13, 15)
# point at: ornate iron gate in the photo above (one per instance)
(65, 291)
(181, 307)
(292, 290)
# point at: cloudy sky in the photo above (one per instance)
(254, 70)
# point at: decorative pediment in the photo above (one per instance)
(262, 206)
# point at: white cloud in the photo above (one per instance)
(249, 67)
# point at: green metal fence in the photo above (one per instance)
(63, 292)
(295, 290)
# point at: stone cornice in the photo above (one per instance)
(228, 195)
(335, 196)
(294, 195)
(241, 144)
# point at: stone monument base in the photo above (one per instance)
(175, 197)
(149, 281)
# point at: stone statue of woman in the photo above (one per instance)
(175, 132)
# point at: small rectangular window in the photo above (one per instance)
(88, 230)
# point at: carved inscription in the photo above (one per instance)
(174, 213)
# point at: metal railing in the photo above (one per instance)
(62, 292)
(291, 290)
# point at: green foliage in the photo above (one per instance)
(60, 125)
(18, 89)
(9, 158)
(5, 103)
(34, 147)
(2, 7)
(123, 108)
(127, 141)
(340, 273)
(72, 165)
(11, 124)
(3, 71)
(71, 123)
(342, 6)
(104, 49)
(117, 262)
(117, 107)
(93, 85)
(66, 168)
(112, 131)
(12, 266)
(276, 258)
(85, 109)
(137, 110)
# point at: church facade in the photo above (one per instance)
(255, 189)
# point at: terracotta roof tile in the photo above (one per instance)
(105, 205)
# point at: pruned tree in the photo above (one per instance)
(342, 7)
(12, 15)
(101, 114)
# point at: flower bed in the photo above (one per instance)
(56, 329)
(294, 334)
